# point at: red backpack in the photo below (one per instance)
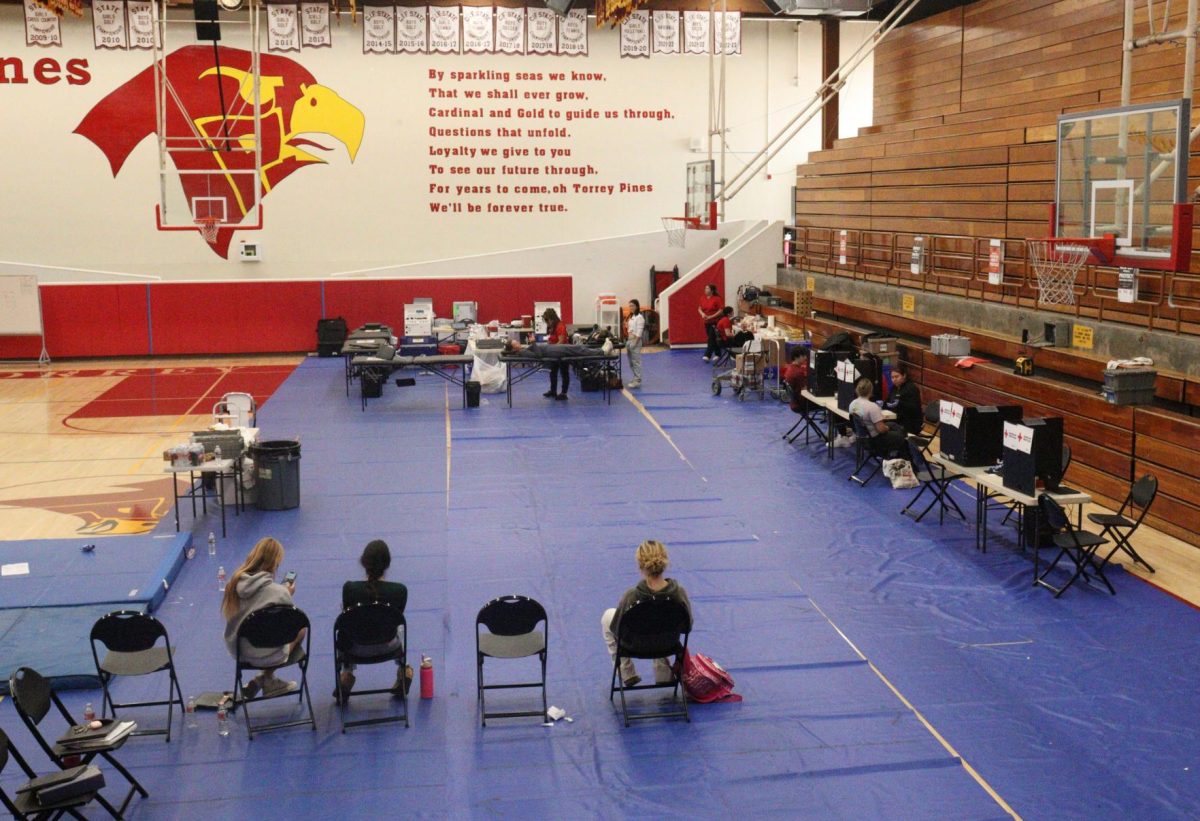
(706, 681)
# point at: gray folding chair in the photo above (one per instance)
(512, 632)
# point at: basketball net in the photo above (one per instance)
(208, 227)
(676, 228)
(1056, 265)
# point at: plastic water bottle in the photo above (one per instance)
(212, 543)
(190, 712)
(89, 712)
(191, 551)
(221, 578)
(217, 453)
(222, 721)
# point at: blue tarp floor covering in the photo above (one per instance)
(889, 669)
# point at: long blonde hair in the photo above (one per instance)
(652, 557)
(267, 555)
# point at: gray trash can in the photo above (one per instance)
(277, 474)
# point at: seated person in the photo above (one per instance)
(905, 401)
(652, 562)
(725, 334)
(895, 445)
(795, 374)
(253, 587)
(375, 560)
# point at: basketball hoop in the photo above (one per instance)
(676, 228)
(1057, 262)
(208, 227)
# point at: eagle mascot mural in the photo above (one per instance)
(212, 99)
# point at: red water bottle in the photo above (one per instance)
(426, 677)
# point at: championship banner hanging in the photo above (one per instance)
(314, 25)
(510, 30)
(108, 24)
(731, 28)
(283, 27)
(635, 35)
(379, 29)
(543, 34)
(696, 34)
(412, 29)
(142, 14)
(444, 29)
(573, 33)
(42, 27)
(666, 32)
(477, 30)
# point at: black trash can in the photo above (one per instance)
(277, 474)
(473, 394)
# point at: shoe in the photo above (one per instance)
(403, 681)
(707, 358)
(250, 688)
(278, 687)
(347, 685)
(633, 385)
(561, 397)
(633, 681)
(550, 394)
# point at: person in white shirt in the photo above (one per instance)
(894, 441)
(634, 331)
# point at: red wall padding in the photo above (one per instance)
(235, 317)
(95, 320)
(686, 325)
(503, 298)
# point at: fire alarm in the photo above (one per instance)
(250, 252)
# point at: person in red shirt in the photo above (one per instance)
(710, 312)
(795, 374)
(726, 338)
(556, 334)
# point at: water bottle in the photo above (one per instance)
(221, 578)
(217, 453)
(191, 551)
(190, 712)
(426, 677)
(89, 712)
(212, 543)
(222, 721)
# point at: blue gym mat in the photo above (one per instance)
(889, 670)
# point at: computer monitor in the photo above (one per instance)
(1033, 452)
(974, 436)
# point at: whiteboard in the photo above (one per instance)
(20, 310)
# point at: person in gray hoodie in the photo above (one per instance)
(652, 560)
(251, 588)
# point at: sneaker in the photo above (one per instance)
(348, 681)
(278, 687)
(403, 681)
(707, 358)
(250, 688)
(633, 681)
(633, 385)
(550, 394)
(561, 397)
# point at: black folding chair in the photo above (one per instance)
(25, 805)
(931, 424)
(868, 450)
(32, 698)
(935, 479)
(652, 629)
(808, 415)
(373, 633)
(277, 625)
(1122, 524)
(131, 643)
(512, 633)
(1079, 546)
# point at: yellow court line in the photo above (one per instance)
(979, 779)
(179, 420)
(642, 409)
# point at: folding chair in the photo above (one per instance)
(355, 632)
(512, 633)
(275, 626)
(931, 424)
(933, 478)
(25, 805)
(236, 409)
(32, 698)
(808, 414)
(131, 643)
(651, 629)
(1079, 546)
(868, 450)
(1120, 526)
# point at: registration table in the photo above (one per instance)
(990, 493)
(829, 405)
(219, 470)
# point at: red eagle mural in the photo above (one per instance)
(300, 119)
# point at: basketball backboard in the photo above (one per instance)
(1119, 173)
(700, 204)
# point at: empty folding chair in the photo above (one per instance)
(374, 633)
(1128, 518)
(653, 628)
(935, 479)
(931, 424)
(29, 801)
(512, 633)
(1079, 546)
(275, 626)
(131, 643)
(33, 698)
(868, 450)
(237, 410)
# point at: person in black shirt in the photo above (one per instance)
(375, 560)
(905, 400)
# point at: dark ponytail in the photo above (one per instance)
(376, 558)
